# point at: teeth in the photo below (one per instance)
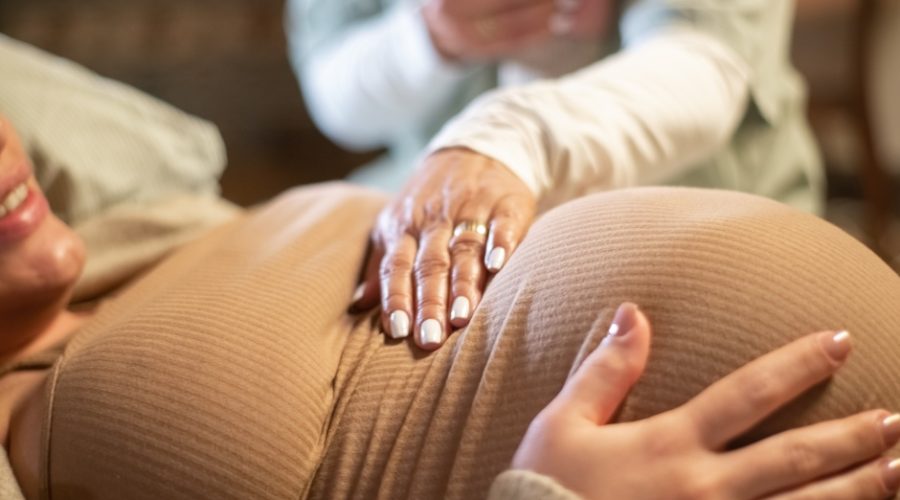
(14, 199)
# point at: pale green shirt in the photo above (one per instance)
(372, 79)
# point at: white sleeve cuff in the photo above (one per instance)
(640, 117)
(378, 78)
(416, 54)
(528, 485)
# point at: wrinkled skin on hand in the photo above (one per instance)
(418, 267)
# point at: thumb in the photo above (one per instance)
(603, 380)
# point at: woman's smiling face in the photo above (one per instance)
(40, 257)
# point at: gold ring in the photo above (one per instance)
(469, 226)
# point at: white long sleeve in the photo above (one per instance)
(639, 117)
(369, 80)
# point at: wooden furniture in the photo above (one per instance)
(837, 62)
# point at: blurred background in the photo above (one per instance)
(226, 61)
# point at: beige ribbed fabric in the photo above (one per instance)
(126, 239)
(233, 371)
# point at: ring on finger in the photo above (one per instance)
(478, 228)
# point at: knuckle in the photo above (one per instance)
(702, 486)
(396, 299)
(612, 366)
(760, 390)
(698, 480)
(814, 360)
(467, 247)
(430, 302)
(550, 421)
(802, 458)
(669, 444)
(463, 192)
(867, 433)
(429, 266)
(395, 264)
(463, 280)
(434, 213)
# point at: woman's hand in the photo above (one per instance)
(482, 30)
(681, 454)
(487, 30)
(460, 217)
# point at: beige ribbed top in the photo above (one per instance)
(233, 371)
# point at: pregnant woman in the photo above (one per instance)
(233, 369)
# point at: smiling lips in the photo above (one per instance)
(22, 210)
(14, 199)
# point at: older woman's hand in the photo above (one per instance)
(459, 218)
(683, 453)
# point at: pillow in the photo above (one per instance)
(95, 142)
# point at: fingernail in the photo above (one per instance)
(891, 474)
(624, 321)
(891, 428)
(838, 345)
(561, 24)
(399, 325)
(460, 308)
(431, 334)
(496, 259)
(358, 293)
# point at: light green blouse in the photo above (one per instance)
(347, 54)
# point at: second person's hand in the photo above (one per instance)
(684, 453)
(484, 30)
(459, 218)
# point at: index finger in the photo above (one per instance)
(737, 402)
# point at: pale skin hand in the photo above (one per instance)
(418, 268)
(483, 30)
(681, 454)
(487, 30)
(583, 19)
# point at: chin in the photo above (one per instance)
(41, 270)
(36, 281)
(60, 258)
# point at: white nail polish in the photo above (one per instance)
(459, 309)
(358, 294)
(495, 259)
(431, 333)
(561, 24)
(399, 325)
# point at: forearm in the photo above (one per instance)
(640, 117)
(368, 81)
